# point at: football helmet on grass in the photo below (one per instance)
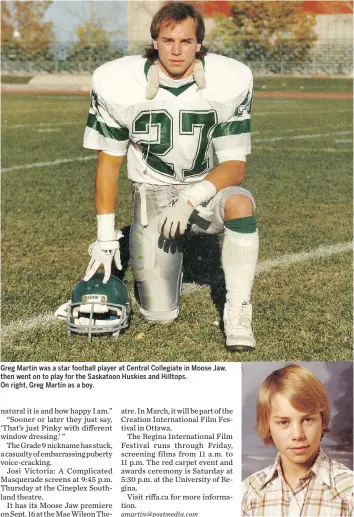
(98, 308)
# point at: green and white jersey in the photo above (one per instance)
(168, 139)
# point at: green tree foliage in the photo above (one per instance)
(7, 28)
(261, 30)
(91, 33)
(93, 47)
(24, 33)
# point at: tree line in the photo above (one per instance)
(256, 30)
(27, 36)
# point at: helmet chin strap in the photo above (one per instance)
(153, 80)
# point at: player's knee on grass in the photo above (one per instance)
(238, 205)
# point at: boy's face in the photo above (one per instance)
(295, 434)
(177, 46)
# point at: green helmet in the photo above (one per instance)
(98, 308)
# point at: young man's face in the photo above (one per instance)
(295, 434)
(177, 46)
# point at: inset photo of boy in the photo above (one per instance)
(297, 447)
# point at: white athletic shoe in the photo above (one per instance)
(237, 326)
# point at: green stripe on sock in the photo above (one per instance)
(242, 224)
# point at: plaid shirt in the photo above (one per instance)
(326, 490)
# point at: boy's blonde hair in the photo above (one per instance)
(304, 391)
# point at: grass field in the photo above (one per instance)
(15, 79)
(299, 173)
(306, 84)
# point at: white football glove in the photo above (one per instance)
(174, 219)
(103, 252)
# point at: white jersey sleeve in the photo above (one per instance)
(232, 137)
(103, 132)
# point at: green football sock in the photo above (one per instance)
(242, 224)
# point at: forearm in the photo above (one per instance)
(107, 174)
(227, 174)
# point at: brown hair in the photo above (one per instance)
(176, 12)
(304, 391)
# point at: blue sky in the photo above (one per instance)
(66, 15)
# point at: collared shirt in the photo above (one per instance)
(326, 490)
